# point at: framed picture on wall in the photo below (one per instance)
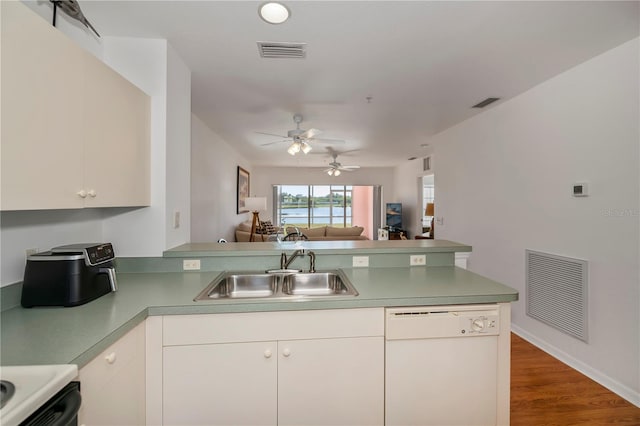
(243, 189)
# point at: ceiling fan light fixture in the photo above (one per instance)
(336, 172)
(294, 148)
(330, 172)
(273, 12)
(306, 148)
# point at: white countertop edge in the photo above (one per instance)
(34, 386)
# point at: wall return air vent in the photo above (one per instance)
(556, 292)
(272, 49)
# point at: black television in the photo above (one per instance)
(394, 216)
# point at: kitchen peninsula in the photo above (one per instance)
(204, 349)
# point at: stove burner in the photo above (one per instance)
(6, 392)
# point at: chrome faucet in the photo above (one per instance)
(285, 262)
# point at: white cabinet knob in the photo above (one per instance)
(82, 193)
(267, 353)
(111, 358)
(92, 193)
(286, 352)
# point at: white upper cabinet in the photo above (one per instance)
(116, 134)
(74, 132)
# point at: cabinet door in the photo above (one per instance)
(116, 133)
(220, 384)
(331, 381)
(113, 384)
(42, 79)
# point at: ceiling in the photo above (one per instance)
(422, 63)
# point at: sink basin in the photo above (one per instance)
(278, 285)
(237, 285)
(317, 284)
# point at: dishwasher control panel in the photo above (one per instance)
(442, 321)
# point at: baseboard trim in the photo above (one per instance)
(614, 386)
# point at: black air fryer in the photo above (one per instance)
(69, 275)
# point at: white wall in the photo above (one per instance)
(22, 230)
(503, 184)
(178, 162)
(214, 165)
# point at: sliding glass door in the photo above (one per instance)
(311, 206)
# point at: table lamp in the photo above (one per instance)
(430, 211)
(255, 204)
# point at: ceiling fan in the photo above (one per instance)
(300, 138)
(336, 168)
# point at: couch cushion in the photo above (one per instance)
(354, 231)
(309, 232)
(244, 226)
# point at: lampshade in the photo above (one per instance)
(429, 211)
(255, 204)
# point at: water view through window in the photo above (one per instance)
(311, 206)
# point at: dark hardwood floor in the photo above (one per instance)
(546, 392)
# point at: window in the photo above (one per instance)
(310, 206)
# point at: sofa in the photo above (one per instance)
(322, 233)
(331, 233)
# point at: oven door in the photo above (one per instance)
(60, 410)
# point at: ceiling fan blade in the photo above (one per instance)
(310, 134)
(271, 134)
(275, 142)
(329, 141)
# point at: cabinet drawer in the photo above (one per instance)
(260, 326)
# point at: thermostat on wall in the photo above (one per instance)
(580, 189)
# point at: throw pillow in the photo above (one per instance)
(245, 226)
(266, 227)
(354, 231)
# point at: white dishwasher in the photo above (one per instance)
(441, 365)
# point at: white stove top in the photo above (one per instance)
(34, 385)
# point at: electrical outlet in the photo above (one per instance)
(191, 265)
(360, 261)
(417, 260)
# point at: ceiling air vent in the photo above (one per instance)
(485, 102)
(270, 49)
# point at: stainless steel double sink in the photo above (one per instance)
(281, 285)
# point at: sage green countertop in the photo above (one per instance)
(325, 247)
(76, 335)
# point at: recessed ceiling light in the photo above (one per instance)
(273, 12)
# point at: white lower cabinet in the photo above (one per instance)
(331, 381)
(112, 385)
(222, 384)
(273, 368)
